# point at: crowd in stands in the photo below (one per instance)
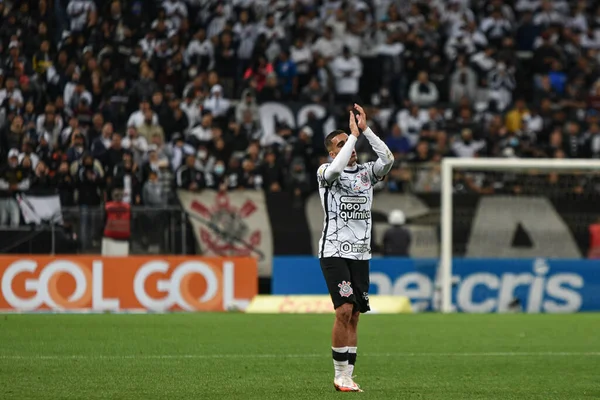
(151, 96)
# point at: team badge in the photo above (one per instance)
(364, 178)
(345, 289)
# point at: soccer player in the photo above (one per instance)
(346, 190)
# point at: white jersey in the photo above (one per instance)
(347, 205)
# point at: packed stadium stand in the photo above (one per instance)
(151, 96)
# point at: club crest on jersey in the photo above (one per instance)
(345, 289)
(361, 182)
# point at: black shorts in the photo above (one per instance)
(347, 281)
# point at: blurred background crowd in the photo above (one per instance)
(150, 96)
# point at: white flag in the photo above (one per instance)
(38, 209)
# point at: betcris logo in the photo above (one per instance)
(479, 285)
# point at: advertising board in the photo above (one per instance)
(155, 284)
(480, 285)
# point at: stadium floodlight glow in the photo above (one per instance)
(450, 165)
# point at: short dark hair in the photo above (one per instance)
(330, 137)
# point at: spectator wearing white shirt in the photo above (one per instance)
(347, 70)
(136, 144)
(202, 132)
(466, 146)
(302, 57)
(327, 46)
(411, 121)
(137, 117)
(11, 92)
(502, 83)
(74, 92)
(176, 11)
(547, 16)
(338, 24)
(463, 82)
(217, 23)
(495, 27)
(82, 13)
(200, 52)
(49, 122)
(216, 104)
(245, 34)
(423, 92)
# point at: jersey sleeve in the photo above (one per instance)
(321, 176)
(371, 165)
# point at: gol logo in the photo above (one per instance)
(179, 288)
(154, 285)
(46, 287)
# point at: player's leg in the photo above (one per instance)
(337, 276)
(352, 341)
(359, 273)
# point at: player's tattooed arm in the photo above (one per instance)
(385, 159)
(334, 170)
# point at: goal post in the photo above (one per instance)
(501, 165)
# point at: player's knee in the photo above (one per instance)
(344, 313)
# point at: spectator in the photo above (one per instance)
(114, 155)
(397, 239)
(101, 145)
(514, 119)
(188, 177)
(149, 127)
(463, 82)
(226, 64)
(248, 104)
(272, 173)
(397, 142)
(13, 179)
(466, 146)
(138, 118)
(501, 86)
(347, 70)
(154, 194)
(216, 104)
(202, 133)
(135, 144)
(77, 148)
(250, 177)
(423, 93)
(125, 178)
(42, 183)
(13, 135)
(65, 185)
(28, 152)
(301, 56)
(288, 75)
(270, 91)
(313, 92)
(593, 140)
(256, 75)
(327, 46)
(90, 181)
(298, 182)
(422, 152)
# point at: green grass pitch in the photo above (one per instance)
(239, 356)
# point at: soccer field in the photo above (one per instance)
(239, 356)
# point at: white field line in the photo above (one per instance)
(308, 355)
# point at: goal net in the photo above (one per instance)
(538, 209)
